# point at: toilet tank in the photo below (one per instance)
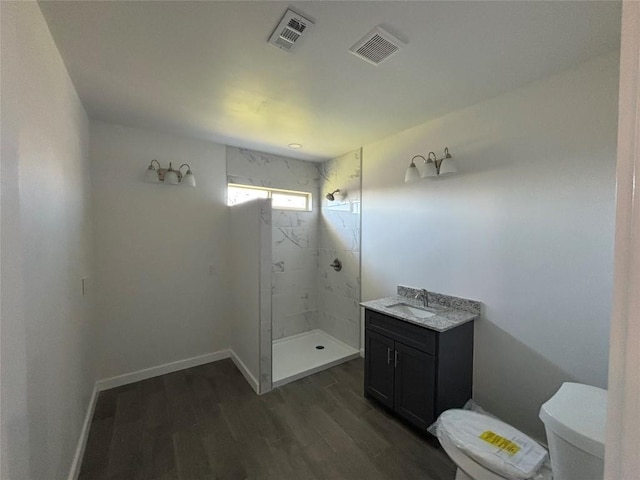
(574, 419)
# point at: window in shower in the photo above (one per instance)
(280, 199)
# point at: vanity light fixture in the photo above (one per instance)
(169, 176)
(433, 166)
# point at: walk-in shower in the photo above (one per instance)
(314, 257)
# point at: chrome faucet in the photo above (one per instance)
(424, 296)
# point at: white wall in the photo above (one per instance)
(47, 341)
(526, 227)
(160, 250)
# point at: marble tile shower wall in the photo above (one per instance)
(339, 237)
(294, 236)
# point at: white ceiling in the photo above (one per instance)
(205, 69)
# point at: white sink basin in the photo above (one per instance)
(411, 310)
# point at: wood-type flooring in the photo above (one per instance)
(207, 423)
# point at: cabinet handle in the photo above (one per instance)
(388, 355)
(395, 364)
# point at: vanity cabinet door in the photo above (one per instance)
(379, 367)
(414, 385)
(416, 372)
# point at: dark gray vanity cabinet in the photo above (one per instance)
(415, 371)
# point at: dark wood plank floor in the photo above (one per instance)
(207, 423)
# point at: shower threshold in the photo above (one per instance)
(296, 357)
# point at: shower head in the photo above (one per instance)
(330, 196)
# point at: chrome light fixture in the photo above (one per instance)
(433, 167)
(168, 175)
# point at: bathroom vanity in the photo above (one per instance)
(419, 360)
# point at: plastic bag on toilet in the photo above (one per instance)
(470, 405)
(545, 472)
(493, 443)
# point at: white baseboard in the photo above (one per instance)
(84, 435)
(245, 372)
(112, 382)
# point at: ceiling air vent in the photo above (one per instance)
(289, 31)
(376, 46)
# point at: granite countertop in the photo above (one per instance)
(450, 312)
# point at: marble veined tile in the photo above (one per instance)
(293, 258)
(294, 302)
(339, 237)
(279, 171)
(266, 318)
(284, 237)
(287, 218)
(304, 290)
(282, 282)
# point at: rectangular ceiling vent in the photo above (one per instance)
(376, 46)
(290, 30)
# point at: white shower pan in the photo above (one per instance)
(296, 357)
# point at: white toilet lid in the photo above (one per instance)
(492, 443)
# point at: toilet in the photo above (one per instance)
(484, 448)
(574, 420)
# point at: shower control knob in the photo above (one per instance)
(337, 265)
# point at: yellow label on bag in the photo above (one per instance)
(502, 443)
